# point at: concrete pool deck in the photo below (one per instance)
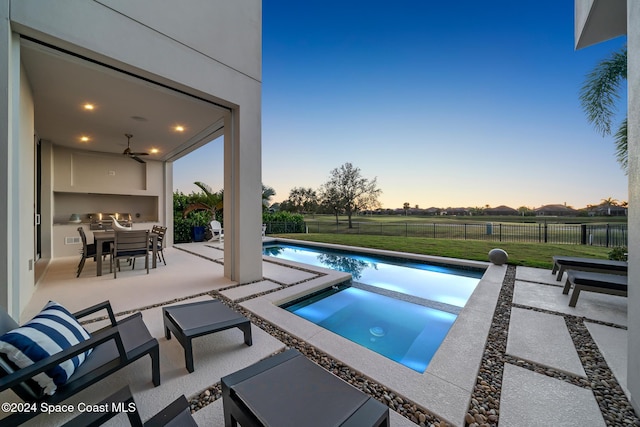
(536, 334)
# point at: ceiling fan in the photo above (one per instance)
(127, 152)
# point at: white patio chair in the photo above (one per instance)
(216, 231)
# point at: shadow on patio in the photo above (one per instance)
(194, 272)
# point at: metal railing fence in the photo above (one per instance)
(608, 235)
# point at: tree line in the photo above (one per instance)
(346, 192)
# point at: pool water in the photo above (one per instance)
(373, 310)
(404, 332)
(438, 283)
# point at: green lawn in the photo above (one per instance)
(526, 254)
(470, 219)
(563, 231)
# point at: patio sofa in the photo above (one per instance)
(612, 284)
(563, 263)
(72, 368)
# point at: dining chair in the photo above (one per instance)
(89, 250)
(130, 245)
(160, 231)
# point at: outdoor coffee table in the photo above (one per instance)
(189, 321)
(289, 390)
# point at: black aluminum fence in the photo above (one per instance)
(608, 235)
(285, 227)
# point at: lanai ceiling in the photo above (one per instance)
(62, 84)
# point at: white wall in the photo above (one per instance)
(161, 47)
(26, 190)
(211, 25)
(633, 80)
(599, 20)
(6, 38)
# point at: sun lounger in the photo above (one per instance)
(562, 263)
(612, 284)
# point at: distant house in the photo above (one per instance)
(432, 211)
(608, 210)
(455, 211)
(501, 210)
(555, 210)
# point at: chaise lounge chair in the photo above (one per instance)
(112, 348)
(562, 263)
(612, 284)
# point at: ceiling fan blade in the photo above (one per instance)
(127, 151)
(138, 159)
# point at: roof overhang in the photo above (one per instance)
(125, 103)
(599, 20)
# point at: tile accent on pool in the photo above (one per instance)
(409, 298)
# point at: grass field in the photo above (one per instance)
(525, 254)
(603, 231)
(472, 219)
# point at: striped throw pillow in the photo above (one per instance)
(54, 329)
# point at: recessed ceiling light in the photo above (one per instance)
(179, 128)
(84, 138)
(88, 106)
(154, 151)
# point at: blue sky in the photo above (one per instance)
(446, 104)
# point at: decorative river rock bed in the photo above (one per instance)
(484, 407)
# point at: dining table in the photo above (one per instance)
(109, 237)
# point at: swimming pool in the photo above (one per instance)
(443, 284)
(401, 309)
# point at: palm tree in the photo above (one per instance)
(207, 201)
(267, 194)
(598, 97)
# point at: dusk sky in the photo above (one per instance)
(447, 104)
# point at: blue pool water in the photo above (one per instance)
(401, 331)
(439, 283)
(366, 311)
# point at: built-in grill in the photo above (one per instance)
(103, 221)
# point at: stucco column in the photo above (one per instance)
(633, 135)
(5, 166)
(167, 204)
(16, 221)
(242, 191)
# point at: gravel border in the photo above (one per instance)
(484, 407)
